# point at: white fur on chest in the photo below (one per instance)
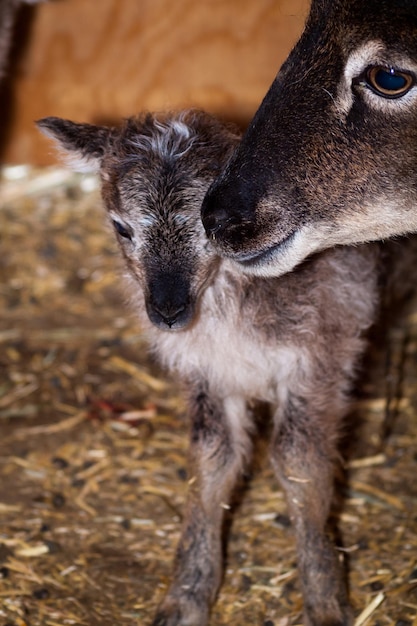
(232, 359)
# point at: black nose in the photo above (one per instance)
(168, 302)
(215, 222)
(229, 206)
(218, 215)
(168, 314)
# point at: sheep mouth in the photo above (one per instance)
(255, 260)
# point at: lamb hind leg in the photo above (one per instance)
(219, 444)
(304, 453)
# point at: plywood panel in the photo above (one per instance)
(95, 60)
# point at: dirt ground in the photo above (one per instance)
(93, 446)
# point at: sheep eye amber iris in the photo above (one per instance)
(389, 83)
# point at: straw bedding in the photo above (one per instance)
(93, 446)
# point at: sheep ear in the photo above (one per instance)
(83, 145)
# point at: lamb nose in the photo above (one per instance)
(170, 314)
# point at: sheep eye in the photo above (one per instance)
(122, 230)
(388, 82)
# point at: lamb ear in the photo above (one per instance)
(83, 145)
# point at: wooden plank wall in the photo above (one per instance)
(99, 60)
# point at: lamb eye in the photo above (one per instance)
(122, 230)
(388, 82)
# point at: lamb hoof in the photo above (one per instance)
(173, 612)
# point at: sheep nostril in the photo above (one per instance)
(169, 314)
(212, 225)
(215, 217)
(212, 231)
(218, 225)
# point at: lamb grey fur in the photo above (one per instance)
(292, 341)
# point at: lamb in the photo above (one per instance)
(292, 341)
